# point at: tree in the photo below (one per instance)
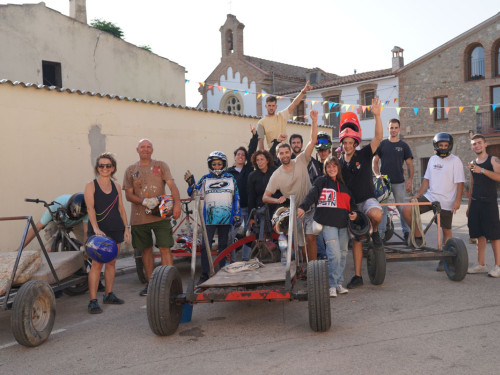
(108, 27)
(146, 47)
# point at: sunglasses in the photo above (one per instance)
(217, 164)
(101, 166)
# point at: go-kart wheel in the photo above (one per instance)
(389, 230)
(456, 267)
(318, 297)
(376, 264)
(33, 313)
(164, 314)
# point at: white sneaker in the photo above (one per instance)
(478, 269)
(495, 272)
(333, 292)
(342, 290)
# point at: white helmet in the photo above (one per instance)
(217, 155)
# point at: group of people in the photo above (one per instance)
(330, 191)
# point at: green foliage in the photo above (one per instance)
(108, 27)
(146, 47)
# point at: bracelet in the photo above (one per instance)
(127, 226)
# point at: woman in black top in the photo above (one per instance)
(107, 217)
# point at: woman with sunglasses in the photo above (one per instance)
(107, 217)
(334, 203)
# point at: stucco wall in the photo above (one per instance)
(90, 59)
(51, 139)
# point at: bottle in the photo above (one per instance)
(283, 245)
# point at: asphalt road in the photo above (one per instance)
(417, 322)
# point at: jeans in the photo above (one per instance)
(336, 248)
(223, 232)
(245, 255)
(320, 243)
(399, 193)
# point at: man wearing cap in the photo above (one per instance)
(273, 125)
(357, 173)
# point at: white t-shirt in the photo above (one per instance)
(444, 174)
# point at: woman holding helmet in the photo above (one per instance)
(107, 218)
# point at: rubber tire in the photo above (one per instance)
(164, 315)
(376, 265)
(318, 296)
(33, 313)
(456, 269)
(389, 230)
(139, 266)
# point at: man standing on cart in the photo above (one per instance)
(292, 178)
(443, 182)
(357, 173)
(482, 212)
(143, 182)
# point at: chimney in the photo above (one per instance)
(398, 60)
(78, 10)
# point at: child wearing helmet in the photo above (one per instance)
(334, 203)
(221, 204)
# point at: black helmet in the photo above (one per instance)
(442, 137)
(217, 155)
(360, 228)
(76, 207)
(324, 142)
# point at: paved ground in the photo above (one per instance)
(417, 322)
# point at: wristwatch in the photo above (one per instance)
(482, 170)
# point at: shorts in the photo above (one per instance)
(446, 215)
(142, 238)
(483, 220)
(367, 205)
(308, 220)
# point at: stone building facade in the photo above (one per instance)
(455, 88)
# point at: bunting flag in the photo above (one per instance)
(395, 100)
(460, 109)
(210, 86)
(337, 113)
(431, 110)
(363, 108)
(235, 91)
(223, 89)
(219, 87)
(476, 108)
(246, 92)
(201, 84)
(447, 109)
(186, 81)
(326, 101)
(494, 106)
(326, 115)
(398, 109)
(330, 105)
(259, 95)
(415, 110)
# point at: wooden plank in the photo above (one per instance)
(270, 273)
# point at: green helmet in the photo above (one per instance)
(323, 142)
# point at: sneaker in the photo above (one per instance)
(112, 299)
(333, 292)
(377, 241)
(440, 267)
(144, 292)
(203, 277)
(355, 282)
(94, 307)
(405, 236)
(478, 269)
(342, 290)
(495, 272)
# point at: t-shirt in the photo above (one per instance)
(357, 174)
(62, 201)
(444, 174)
(147, 182)
(294, 182)
(272, 126)
(392, 157)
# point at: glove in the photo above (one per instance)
(150, 203)
(189, 178)
(236, 221)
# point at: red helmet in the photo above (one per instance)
(349, 127)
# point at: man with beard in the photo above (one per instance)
(292, 178)
(482, 211)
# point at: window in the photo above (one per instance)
(333, 119)
(497, 60)
(440, 105)
(232, 104)
(300, 112)
(51, 73)
(367, 97)
(476, 63)
(313, 78)
(495, 97)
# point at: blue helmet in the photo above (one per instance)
(382, 188)
(101, 248)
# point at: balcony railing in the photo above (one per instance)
(487, 122)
